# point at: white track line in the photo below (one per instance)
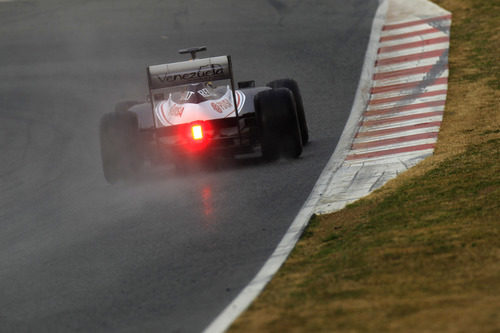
(394, 158)
(405, 79)
(404, 113)
(401, 124)
(413, 39)
(445, 24)
(434, 129)
(406, 65)
(402, 102)
(253, 289)
(393, 146)
(408, 91)
(413, 50)
(343, 181)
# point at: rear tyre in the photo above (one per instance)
(294, 88)
(278, 123)
(120, 147)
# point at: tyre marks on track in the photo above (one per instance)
(403, 92)
(403, 111)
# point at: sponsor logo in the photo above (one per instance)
(176, 111)
(186, 95)
(221, 105)
(204, 92)
(202, 73)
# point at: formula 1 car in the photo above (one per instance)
(193, 110)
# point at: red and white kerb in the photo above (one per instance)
(408, 92)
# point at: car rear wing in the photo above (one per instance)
(165, 76)
(192, 71)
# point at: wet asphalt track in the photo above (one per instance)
(170, 252)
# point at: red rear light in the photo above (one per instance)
(197, 132)
(196, 136)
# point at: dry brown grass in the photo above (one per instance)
(422, 254)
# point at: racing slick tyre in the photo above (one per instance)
(278, 123)
(294, 88)
(120, 149)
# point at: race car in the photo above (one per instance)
(193, 111)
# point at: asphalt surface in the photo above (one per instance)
(169, 252)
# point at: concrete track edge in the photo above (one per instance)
(284, 248)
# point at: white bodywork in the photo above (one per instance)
(176, 100)
(171, 113)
